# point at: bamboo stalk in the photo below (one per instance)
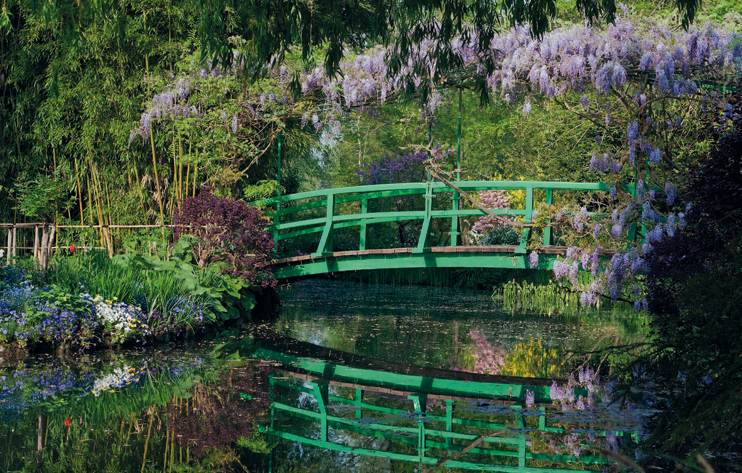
(105, 237)
(188, 177)
(46, 431)
(180, 172)
(139, 188)
(167, 444)
(174, 192)
(108, 198)
(90, 198)
(157, 178)
(195, 176)
(172, 449)
(108, 238)
(96, 202)
(146, 443)
(79, 194)
(128, 434)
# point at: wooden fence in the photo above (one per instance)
(42, 239)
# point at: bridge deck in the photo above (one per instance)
(549, 250)
(505, 257)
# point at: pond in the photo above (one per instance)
(347, 377)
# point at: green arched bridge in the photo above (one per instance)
(335, 226)
(429, 417)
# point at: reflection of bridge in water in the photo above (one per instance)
(350, 214)
(355, 405)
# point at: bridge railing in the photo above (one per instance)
(349, 207)
(472, 433)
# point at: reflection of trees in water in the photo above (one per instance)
(488, 358)
(220, 413)
(529, 359)
(532, 359)
(138, 426)
(404, 328)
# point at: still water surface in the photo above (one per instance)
(191, 407)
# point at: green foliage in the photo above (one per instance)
(43, 198)
(501, 236)
(225, 297)
(553, 298)
(260, 190)
(59, 296)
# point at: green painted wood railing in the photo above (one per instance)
(427, 432)
(349, 207)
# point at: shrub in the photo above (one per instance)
(228, 233)
(694, 298)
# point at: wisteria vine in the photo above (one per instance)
(639, 82)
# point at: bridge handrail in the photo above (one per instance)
(330, 197)
(439, 187)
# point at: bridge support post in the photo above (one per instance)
(325, 243)
(449, 420)
(423, 243)
(364, 211)
(322, 395)
(359, 403)
(547, 230)
(455, 222)
(420, 401)
(521, 250)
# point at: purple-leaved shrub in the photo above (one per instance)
(227, 232)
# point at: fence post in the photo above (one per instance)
(35, 245)
(10, 237)
(44, 246)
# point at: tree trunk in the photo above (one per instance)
(109, 245)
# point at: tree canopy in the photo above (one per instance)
(270, 29)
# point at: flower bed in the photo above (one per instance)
(135, 301)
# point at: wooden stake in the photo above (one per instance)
(36, 245)
(10, 236)
(44, 246)
(51, 241)
(15, 243)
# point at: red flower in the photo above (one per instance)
(72, 249)
(67, 422)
